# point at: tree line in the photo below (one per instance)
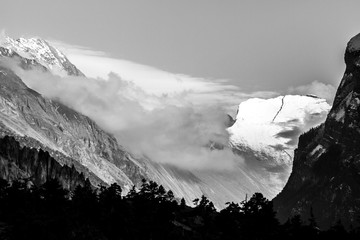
(149, 212)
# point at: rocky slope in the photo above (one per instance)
(66, 134)
(326, 170)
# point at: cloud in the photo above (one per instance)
(152, 80)
(173, 124)
(166, 129)
(72, 49)
(97, 64)
(322, 90)
(2, 36)
(169, 118)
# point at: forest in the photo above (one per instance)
(149, 212)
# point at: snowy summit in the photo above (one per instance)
(43, 53)
(271, 127)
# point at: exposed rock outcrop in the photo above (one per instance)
(326, 169)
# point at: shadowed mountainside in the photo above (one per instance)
(326, 170)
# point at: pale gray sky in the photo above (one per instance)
(257, 45)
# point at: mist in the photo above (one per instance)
(319, 89)
(168, 129)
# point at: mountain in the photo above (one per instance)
(38, 52)
(326, 169)
(73, 139)
(270, 127)
(266, 130)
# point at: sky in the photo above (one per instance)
(257, 46)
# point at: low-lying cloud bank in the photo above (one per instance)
(166, 129)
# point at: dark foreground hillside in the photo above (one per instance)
(50, 212)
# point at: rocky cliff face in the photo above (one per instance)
(326, 170)
(38, 166)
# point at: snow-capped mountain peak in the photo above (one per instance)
(270, 126)
(43, 53)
